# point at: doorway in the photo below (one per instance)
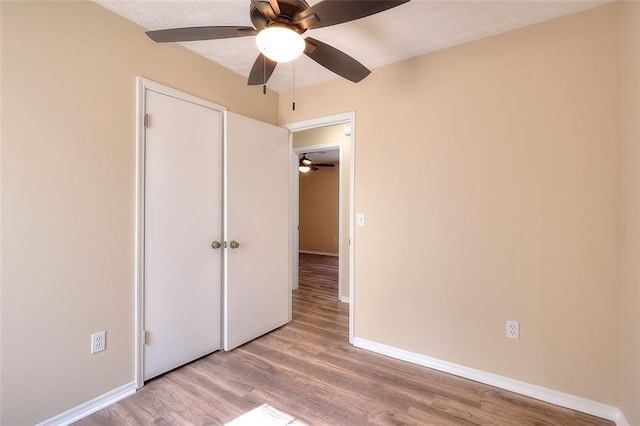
(345, 123)
(319, 202)
(319, 199)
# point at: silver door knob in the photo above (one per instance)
(216, 245)
(234, 244)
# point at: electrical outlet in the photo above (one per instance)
(98, 342)
(513, 330)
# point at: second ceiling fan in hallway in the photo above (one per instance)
(306, 165)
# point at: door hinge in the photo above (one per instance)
(145, 337)
(146, 121)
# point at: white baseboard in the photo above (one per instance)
(90, 407)
(321, 253)
(562, 399)
(621, 420)
(345, 299)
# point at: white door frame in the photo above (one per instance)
(143, 85)
(348, 117)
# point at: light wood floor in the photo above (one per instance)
(308, 369)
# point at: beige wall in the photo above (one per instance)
(68, 163)
(500, 200)
(630, 360)
(334, 134)
(319, 199)
(511, 209)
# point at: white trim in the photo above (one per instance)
(347, 117)
(352, 239)
(317, 147)
(562, 399)
(620, 419)
(138, 342)
(345, 299)
(175, 93)
(294, 219)
(143, 85)
(96, 404)
(328, 120)
(225, 223)
(321, 253)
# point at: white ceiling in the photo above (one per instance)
(409, 30)
(326, 156)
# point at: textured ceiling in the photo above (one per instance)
(326, 156)
(409, 30)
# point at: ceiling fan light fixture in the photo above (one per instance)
(280, 43)
(304, 169)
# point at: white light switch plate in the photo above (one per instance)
(360, 219)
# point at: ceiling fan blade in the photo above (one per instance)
(332, 12)
(199, 33)
(335, 60)
(261, 70)
(323, 165)
(269, 8)
(275, 6)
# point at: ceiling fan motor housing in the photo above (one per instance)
(288, 9)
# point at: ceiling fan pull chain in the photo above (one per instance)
(293, 92)
(264, 75)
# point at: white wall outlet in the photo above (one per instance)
(513, 330)
(98, 342)
(360, 219)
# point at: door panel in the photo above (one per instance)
(257, 286)
(183, 215)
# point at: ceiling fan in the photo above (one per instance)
(279, 24)
(306, 165)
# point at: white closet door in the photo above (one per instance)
(257, 284)
(183, 216)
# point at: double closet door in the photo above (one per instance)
(216, 236)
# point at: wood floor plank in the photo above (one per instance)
(309, 370)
